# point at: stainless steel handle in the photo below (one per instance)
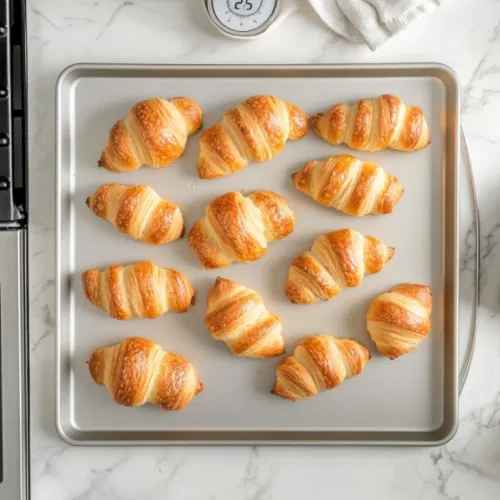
(14, 456)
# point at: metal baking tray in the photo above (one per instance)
(412, 400)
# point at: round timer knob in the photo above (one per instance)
(242, 18)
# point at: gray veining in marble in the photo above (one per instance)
(464, 34)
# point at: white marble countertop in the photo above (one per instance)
(464, 34)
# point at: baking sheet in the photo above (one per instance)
(412, 400)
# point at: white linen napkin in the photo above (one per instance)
(371, 21)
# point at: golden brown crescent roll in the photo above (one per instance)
(154, 133)
(399, 320)
(350, 185)
(238, 228)
(319, 363)
(138, 371)
(140, 290)
(237, 315)
(139, 212)
(256, 130)
(337, 260)
(373, 125)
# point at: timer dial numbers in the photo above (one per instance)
(244, 7)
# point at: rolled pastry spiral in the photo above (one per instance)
(374, 124)
(138, 371)
(254, 131)
(398, 320)
(350, 185)
(319, 363)
(139, 212)
(336, 261)
(238, 228)
(237, 315)
(154, 133)
(140, 290)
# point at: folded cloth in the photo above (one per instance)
(371, 21)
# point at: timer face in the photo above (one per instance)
(243, 16)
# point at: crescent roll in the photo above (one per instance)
(140, 290)
(138, 371)
(373, 125)
(139, 212)
(399, 320)
(350, 185)
(237, 315)
(336, 261)
(319, 363)
(254, 131)
(238, 228)
(154, 133)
